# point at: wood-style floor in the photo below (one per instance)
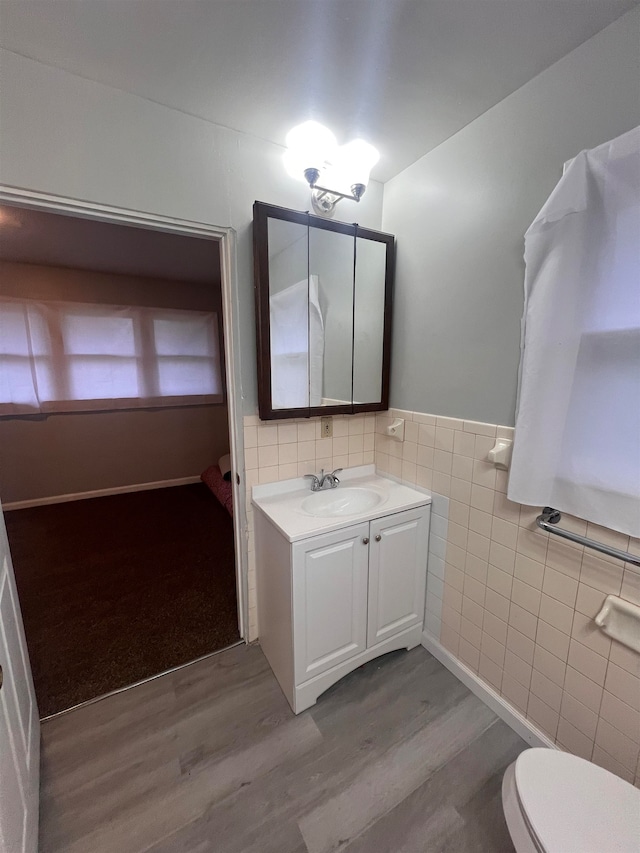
(399, 757)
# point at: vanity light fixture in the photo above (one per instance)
(332, 171)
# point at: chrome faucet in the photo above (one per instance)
(323, 481)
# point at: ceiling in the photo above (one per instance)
(405, 74)
(52, 239)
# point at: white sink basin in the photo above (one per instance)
(335, 503)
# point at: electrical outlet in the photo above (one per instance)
(326, 427)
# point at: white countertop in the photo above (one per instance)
(281, 502)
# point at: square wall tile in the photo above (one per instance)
(464, 444)
(517, 668)
(601, 574)
(515, 692)
(523, 621)
(532, 544)
(525, 596)
(520, 645)
(499, 581)
(544, 716)
(560, 586)
(587, 632)
(267, 435)
(589, 600)
(552, 640)
(593, 665)
(478, 545)
(625, 685)
(459, 513)
(493, 649)
(449, 638)
(564, 559)
(502, 557)
(583, 689)
(619, 747)
(482, 498)
(506, 509)
(480, 522)
(553, 612)
(546, 690)
(529, 571)
(460, 490)
(490, 671)
(497, 604)
(469, 654)
(603, 759)
(470, 632)
(444, 439)
(472, 611)
(549, 665)
(495, 627)
(574, 741)
(622, 716)
(584, 719)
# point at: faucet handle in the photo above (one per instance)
(333, 474)
(315, 482)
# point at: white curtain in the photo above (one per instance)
(69, 357)
(297, 346)
(577, 437)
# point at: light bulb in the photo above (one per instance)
(310, 145)
(356, 159)
(293, 166)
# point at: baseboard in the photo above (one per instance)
(100, 493)
(511, 716)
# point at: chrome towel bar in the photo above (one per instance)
(549, 517)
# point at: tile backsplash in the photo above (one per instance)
(510, 602)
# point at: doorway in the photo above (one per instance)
(126, 562)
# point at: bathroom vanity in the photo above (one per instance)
(341, 576)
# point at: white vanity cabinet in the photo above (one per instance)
(334, 600)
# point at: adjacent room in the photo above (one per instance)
(113, 405)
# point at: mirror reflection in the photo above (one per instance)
(368, 315)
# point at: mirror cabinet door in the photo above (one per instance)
(331, 277)
(369, 320)
(289, 315)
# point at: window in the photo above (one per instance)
(66, 357)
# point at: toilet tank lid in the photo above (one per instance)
(572, 804)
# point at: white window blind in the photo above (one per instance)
(69, 357)
(577, 438)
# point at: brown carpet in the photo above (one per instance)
(120, 588)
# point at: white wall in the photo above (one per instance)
(460, 214)
(72, 137)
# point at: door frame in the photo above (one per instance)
(226, 238)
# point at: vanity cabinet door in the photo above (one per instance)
(329, 599)
(397, 573)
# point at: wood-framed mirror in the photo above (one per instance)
(324, 294)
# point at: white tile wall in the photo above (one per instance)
(516, 605)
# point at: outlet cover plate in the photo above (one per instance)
(326, 427)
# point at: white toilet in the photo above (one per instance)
(555, 802)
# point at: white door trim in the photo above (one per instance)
(231, 326)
